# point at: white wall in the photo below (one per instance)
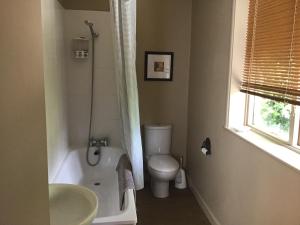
(67, 82)
(23, 148)
(241, 184)
(106, 115)
(55, 84)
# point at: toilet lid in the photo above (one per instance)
(163, 163)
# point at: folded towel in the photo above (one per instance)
(125, 178)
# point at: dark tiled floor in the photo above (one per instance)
(180, 208)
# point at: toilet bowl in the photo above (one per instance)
(162, 167)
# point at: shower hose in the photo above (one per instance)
(91, 111)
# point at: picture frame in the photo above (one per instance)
(158, 66)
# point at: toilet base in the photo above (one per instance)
(160, 189)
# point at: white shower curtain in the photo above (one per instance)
(124, 29)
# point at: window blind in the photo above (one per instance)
(272, 58)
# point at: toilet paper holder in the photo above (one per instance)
(206, 147)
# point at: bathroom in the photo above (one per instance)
(46, 109)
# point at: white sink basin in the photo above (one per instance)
(72, 205)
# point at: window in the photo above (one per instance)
(271, 77)
(278, 120)
(272, 117)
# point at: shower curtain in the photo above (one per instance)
(124, 29)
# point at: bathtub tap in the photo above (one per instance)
(104, 141)
(99, 142)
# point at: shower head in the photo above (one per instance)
(90, 25)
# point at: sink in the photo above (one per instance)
(72, 205)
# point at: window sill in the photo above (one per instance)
(279, 151)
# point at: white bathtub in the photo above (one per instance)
(103, 180)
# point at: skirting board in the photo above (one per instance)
(211, 217)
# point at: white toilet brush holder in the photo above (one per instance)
(180, 180)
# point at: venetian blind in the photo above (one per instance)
(272, 59)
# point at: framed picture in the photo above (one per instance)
(159, 66)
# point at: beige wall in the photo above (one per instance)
(55, 84)
(95, 5)
(23, 149)
(240, 183)
(165, 26)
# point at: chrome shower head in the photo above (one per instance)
(90, 25)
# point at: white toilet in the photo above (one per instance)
(162, 167)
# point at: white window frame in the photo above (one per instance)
(292, 142)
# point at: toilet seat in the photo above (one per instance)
(163, 163)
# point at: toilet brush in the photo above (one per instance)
(180, 180)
